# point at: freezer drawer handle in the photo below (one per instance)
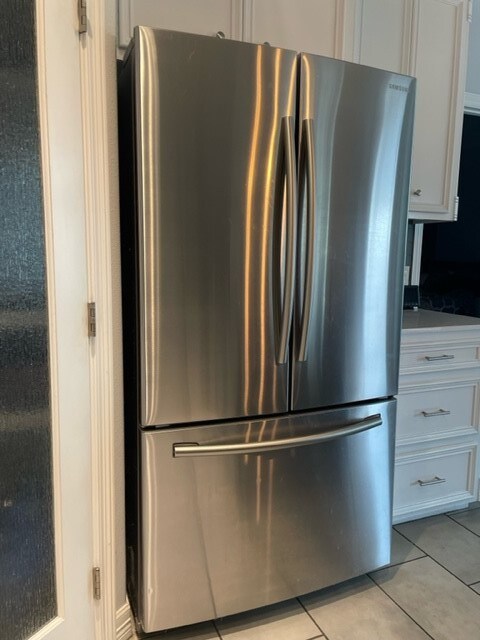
(291, 184)
(435, 480)
(439, 412)
(308, 169)
(193, 449)
(444, 357)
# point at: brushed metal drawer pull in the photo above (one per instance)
(439, 412)
(444, 357)
(435, 480)
(183, 450)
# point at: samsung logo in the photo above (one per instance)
(398, 87)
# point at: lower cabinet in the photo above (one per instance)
(437, 438)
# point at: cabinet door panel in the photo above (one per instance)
(385, 36)
(426, 39)
(438, 26)
(206, 17)
(313, 26)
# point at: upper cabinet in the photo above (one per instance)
(324, 27)
(207, 17)
(424, 38)
(427, 39)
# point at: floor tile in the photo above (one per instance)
(447, 542)
(436, 600)
(359, 610)
(403, 550)
(469, 519)
(284, 621)
(204, 631)
(476, 587)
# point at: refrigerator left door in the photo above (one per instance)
(215, 176)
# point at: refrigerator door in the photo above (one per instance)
(355, 126)
(216, 225)
(238, 516)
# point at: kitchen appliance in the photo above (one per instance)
(264, 203)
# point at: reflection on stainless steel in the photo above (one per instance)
(362, 139)
(307, 168)
(208, 203)
(225, 536)
(291, 243)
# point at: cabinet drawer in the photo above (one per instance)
(432, 477)
(438, 357)
(431, 412)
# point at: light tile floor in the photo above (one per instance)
(431, 590)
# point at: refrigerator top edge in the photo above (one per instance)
(139, 29)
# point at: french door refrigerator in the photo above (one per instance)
(264, 202)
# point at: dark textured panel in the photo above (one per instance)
(27, 575)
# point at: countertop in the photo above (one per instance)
(423, 319)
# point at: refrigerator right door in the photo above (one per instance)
(355, 131)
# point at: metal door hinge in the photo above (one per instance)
(97, 584)
(456, 202)
(82, 16)
(92, 320)
(470, 10)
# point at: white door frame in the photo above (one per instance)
(82, 215)
(59, 106)
(99, 106)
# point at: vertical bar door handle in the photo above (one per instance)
(291, 182)
(309, 163)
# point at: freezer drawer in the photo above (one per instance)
(237, 516)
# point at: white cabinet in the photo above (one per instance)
(437, 436)
(206, 17)
(324, 27)
(427, 39)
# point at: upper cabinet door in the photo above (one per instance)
(439, 55)
(207, 17)
(324, 27)
(426, 39)
(383, 37)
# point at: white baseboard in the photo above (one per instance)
(124, 623)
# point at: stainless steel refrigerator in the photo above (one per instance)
(264, 203)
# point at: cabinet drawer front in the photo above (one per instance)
(433, 477)
(432, 412)
(438, 357)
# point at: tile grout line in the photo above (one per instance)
(311, 618)
(462, 525)
(214, 622)
(447, 570)
(394, 527)
(399, 606)
(438, 561)
(399, 564)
